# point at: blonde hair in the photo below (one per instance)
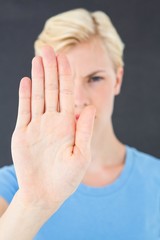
(79, 25)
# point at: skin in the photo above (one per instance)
(51, 150)
(98, 89)
(47, 143)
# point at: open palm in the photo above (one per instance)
(50, 150)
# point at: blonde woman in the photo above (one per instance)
(72, 177)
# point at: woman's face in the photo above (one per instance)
(96, 81)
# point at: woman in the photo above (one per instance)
(73, 178)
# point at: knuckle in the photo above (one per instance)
(51, 86)
(25, 98)
(24, 112)
(49, 109)
(66, 91)
(38, 96)
(35, 114)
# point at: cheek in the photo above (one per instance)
(104, 102)
(106, 96)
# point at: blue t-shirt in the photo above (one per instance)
(127, 209)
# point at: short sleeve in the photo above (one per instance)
(8, 183)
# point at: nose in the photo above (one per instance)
(81, 97)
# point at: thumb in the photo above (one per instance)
(84, 129)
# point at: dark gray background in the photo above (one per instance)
(136, 117)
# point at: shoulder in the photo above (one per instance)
(7, 171)
(10, 168)
(146, 164)
(8, 182)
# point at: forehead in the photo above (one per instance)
(89, 56)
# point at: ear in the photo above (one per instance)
(119, 79)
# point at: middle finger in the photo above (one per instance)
(51, 79)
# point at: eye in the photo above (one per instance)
(95, 79)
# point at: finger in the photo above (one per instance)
(84, 130)
(24, 106)
(37, 87)
(66, 85)
(51, 79)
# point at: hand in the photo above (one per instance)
(50, 150)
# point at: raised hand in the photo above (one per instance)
(50, 150)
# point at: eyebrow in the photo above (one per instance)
(93, 73)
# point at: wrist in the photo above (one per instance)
(37, 207)
(28, 216)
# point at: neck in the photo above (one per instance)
(108, 158)
(106, 149)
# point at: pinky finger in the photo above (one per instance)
(24, 106)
